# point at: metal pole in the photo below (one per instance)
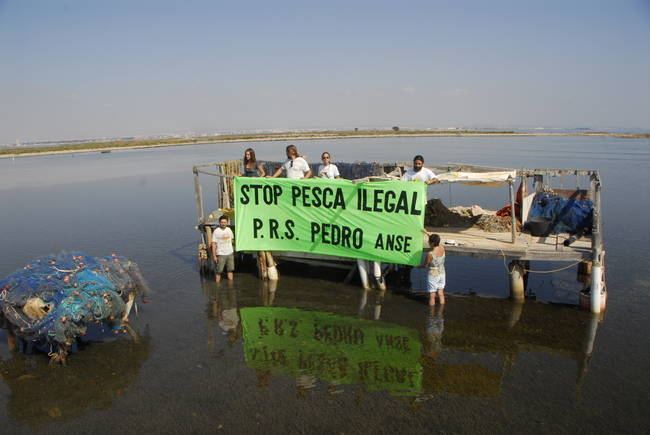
(539, 182)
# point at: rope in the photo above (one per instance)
(538, 271)
(554, 270)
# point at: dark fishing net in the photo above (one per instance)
(53, 300)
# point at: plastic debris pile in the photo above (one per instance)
(53, 300)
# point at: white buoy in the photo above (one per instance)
(596, 288)
(363, 272)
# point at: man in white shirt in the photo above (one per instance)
(295, 166)
(328, 169)
(419, 172)
(222, 250)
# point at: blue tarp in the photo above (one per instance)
(566, 215)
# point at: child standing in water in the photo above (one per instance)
(435, 263)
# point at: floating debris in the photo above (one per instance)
(52, 301)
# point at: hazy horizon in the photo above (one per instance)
(81, 70)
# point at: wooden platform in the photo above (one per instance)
(474, 242)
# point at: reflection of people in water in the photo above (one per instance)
(434, 329)
(227, 315)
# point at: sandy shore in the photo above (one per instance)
(291, 137)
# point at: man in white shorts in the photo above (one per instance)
(222, 250)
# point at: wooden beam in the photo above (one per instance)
(198, 196)
(597, 235)
(478, 168)
(513, 218)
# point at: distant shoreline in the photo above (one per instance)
(151, 143)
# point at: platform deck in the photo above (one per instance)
(474, 242)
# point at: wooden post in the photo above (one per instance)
(218, 189)
(516, 275)
(225, 195)
(524, 192)
(539, 183)
(513, 218)
(198, 196)
(207, 233)
(261, 265)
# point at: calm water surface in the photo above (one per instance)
(313, 355)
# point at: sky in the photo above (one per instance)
(121, 68)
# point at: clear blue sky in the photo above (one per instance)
(78, 69)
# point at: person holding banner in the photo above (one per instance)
(435, 263)
(328, 169)
(295, 166)
(419, 172)
(222, 250)
(251, 167)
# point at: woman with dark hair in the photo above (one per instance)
(328, 169)
(435, 262)
(251, 167)
(295, 166)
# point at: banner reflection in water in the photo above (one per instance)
(335, 348)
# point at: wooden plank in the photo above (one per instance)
(554, 172)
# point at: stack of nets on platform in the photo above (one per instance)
(54, 299)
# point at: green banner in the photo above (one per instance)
(377, 221)
(334, 348)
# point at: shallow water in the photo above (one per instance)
(203, 362)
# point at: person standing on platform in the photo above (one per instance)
(251, 167)
(435, 263)
(222, 249)
(328, 169)
(419, 172)
(295, 166)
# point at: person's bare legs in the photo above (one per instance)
(441, 295)
(217, 277)
(432, 299)
(229, 275)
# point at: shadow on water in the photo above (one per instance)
(41, 394)
(373, 340)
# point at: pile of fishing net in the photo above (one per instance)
(52, 301)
